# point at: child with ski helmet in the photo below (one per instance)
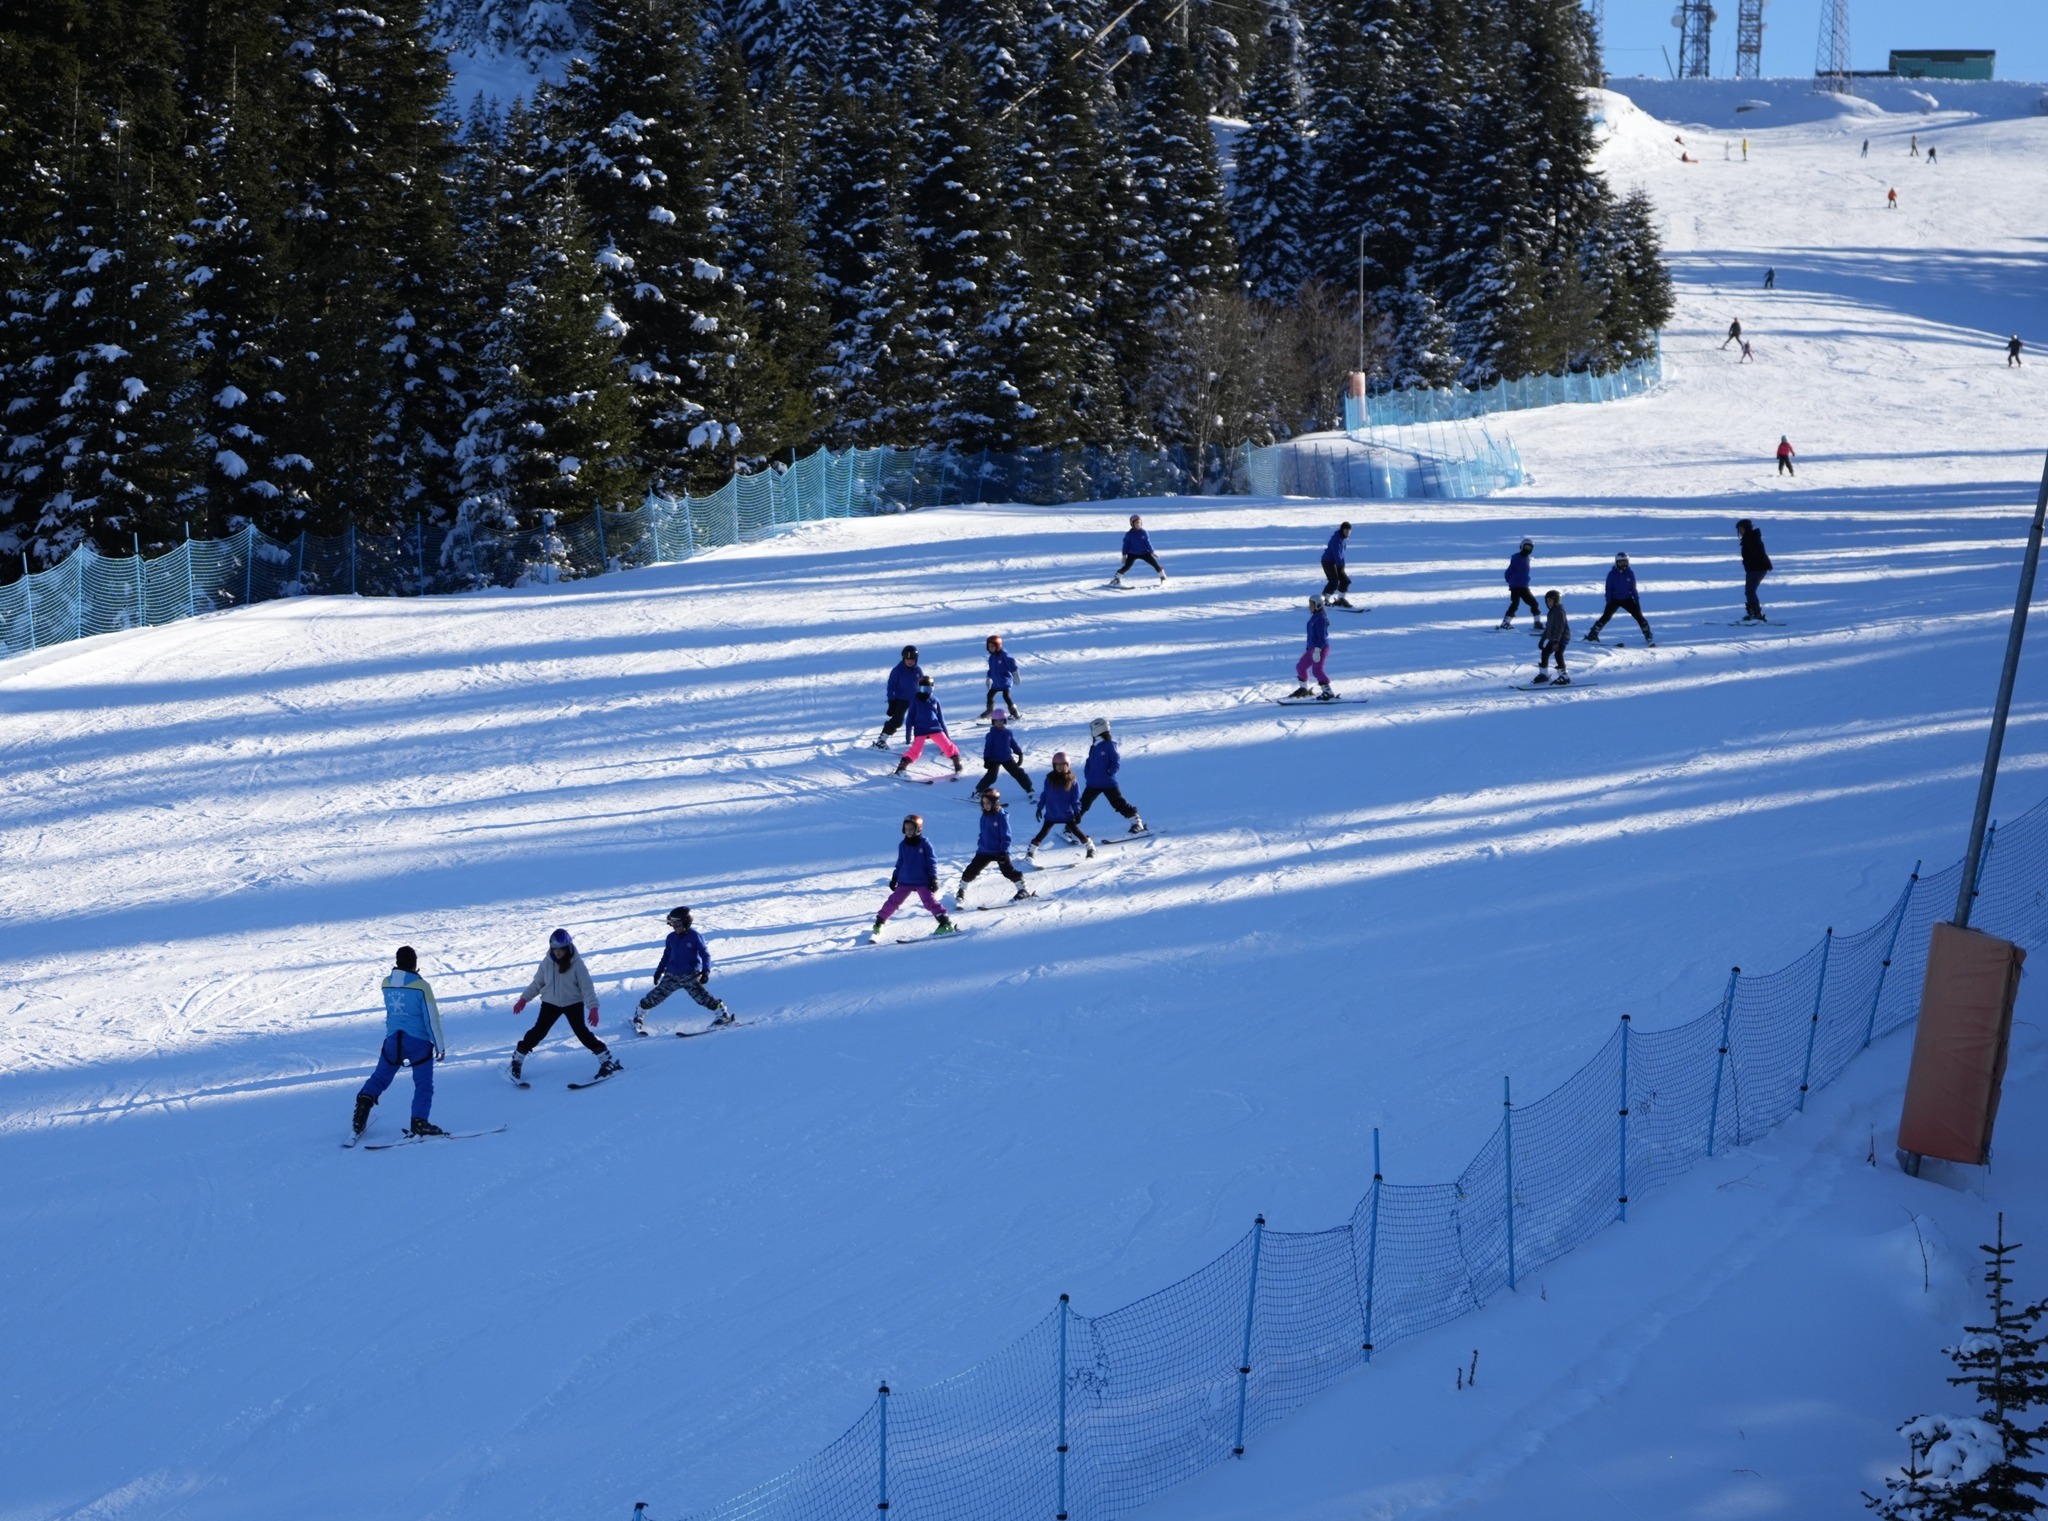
(1001, 750)
(991, 848)
(685, 964)
(901, 692)
(1059, 805)
(927, 721)
(1313, 657)
(1002, 675)
(1100, 773)
(565, 990)
(917, 871)
(1137, 546)
(1518, 587)
(1556, 635)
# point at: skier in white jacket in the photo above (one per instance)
(565, 990)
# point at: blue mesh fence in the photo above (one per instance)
(1093, 1416)
(1386, 409)
(90, 593)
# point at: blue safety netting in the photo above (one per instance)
(91, 593)
(1091, 1416)
(1387, 409)
(1444, 460)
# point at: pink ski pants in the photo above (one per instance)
(1311, 660)
(924, 896)
(946, 746)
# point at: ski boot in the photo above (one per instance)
(1022, 893)
(421, 1125)
(1649, 641)
(1591, 636)
(903, 765)
(1562, 680)
(724, 1015)
(881, 741)
(1340, 600)
(1117, 579)
(1030, 852)
(1541, 679)
(1300, 692)
(1091, 850)
(958, 765)
(364, 1104)
(1162, 577)
(875, 929)
(1507, 623)
(518, 1061)
(1326, 695)
(1137, 825)
(946, 927)
(608, 1066)
(639, 1023)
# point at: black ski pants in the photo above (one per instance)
(1517, 595)
(999, 859)
(549, 1013)
(988, 777)
(897, 708)
(1073, 829)
(1751, 580)
(1116, 801)
(1008, 701)
(669, 983)
(1545, 652)
(1785, 465)
(1130, 560)
(1336, 579)
(1630, 605)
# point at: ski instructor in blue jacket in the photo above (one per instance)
(1621, 597)
(412, 1033)
(1137, 546)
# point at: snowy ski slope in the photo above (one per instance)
(673, 1287)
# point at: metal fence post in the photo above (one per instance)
(1251, 1305)
(28, 598)
(1062, 1449)
(689, 527)
(1884, 967)
(299, 569)
(78, 599)
(191, 596)
(1372, 1240)
(1507, 1102)
(653, 508)
(419, 545)
(248, 564)
(1721, 1062)
(141, 598)
(1622, 1191)
(882, 1455)
(603, 558)
(1827, 944)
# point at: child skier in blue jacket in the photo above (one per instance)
(1002, 675)
(917, 871)
(1622, 597)
(685, 964)
(1137, 546)
(1060, 804)
(992, 847)
(1100, 771)
(1336, 580)
(902, 692)
(412, 1033)
(1000, 751)
(1518, 587)
(927, 721)
(1317, 652)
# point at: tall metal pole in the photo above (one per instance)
(1973, 858)
(1361, 300)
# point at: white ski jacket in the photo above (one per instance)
(565, 989)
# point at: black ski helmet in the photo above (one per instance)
(910, 652)
(991, 796)
(914, 821)
(679, 918)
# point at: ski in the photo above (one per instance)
(1315, 702)
(730, 1024)
(953, 934)
(1336, 607)
(414, 1140)
(1550, 686)
(923, 781)
(987, 908)
(1146, 833)
(592, 1082)
(1755, 622)
(518, 1082)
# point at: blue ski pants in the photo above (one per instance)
(398, 1049)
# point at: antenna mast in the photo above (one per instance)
(1831, 60)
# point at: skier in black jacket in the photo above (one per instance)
(1755, 566)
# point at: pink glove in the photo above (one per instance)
(519, 1007)
(593, 1016)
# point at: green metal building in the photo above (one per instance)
(1943, 63)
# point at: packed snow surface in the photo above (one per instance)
(675, 1285)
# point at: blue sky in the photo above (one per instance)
(1636, 29)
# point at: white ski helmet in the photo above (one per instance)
(1098, 728)
(1316, 602)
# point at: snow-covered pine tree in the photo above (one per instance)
(1270, 197)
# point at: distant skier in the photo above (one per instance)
(1100, 773)
(902, 692)
(1138, 546)
(1000, 751)
(1745, 150)
(1335, 579)
(1002, 675)
(1891, 200)
(1734, 333)
(1621, 597)
(412, 1033)
(1748, 353)
(1930, 153)
(1755, 566)
(927, 721)
(686, 965)
(2012, 351)
(565, 991)
(1312, 658)
(1770, 279)
(1866, 149)
(1060, 804)
(991, 848)
(916, 872)
(1556, 635)
(1914, 151)
(1518, 586)
(1785, 456)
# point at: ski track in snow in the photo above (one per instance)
(215, 833)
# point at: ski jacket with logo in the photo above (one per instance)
(1319, 630)
(1137, 542)
(1102, 763)
(1518, 572)
(685, 955)
(1753, 556)
(409, 1008)
(1000, 747)
(1621, 584)
(1002, 669)
(1334, 550)
(1057, 804)
(903, 680)
(915, 866)
(995, 833)
(925, 716)
(565, 987)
